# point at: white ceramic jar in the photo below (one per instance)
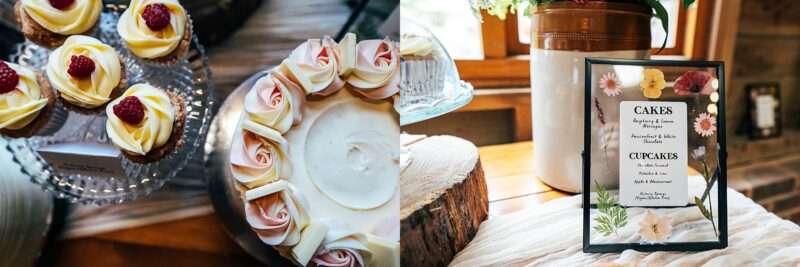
(563, 35)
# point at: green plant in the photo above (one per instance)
(500, 8)
(612, 215)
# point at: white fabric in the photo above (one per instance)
(551, 235)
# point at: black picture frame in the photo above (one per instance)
(770, 88)
(721, 174)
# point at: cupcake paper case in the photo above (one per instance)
(49, 23)
(156, 30)
(86, 73)
(27, 103)
(146, 122)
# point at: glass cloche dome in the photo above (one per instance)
(429, 85)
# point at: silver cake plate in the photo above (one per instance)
(189, 78)
(227, 203)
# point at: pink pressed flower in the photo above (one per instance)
(580, 1)
(705, 125)
(610, 84)
(694, 82)
(654, 228)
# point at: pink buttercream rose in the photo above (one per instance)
(277, 219)
(314, 65)
(343, 246)
(257, 160)
(338, 258)
(275, 102)
(377, 73)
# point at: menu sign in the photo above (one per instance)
(653, 153)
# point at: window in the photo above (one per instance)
(451, 21)
(493, 53)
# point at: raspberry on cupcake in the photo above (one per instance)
(146, 122)
(27, 104)
(86, 73)
(50, 22)
(156, 30)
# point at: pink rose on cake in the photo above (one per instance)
(315, 66)
(258, 155)
(275, 102)
(276, 213)
(377, 73)
(342, 247)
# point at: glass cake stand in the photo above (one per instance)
(422, 100)
(189, 78)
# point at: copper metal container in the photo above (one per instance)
(594, 26)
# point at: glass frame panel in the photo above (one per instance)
(720, 174)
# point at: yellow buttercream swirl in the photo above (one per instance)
(89, 92)
(416, 46)
(155, 129)
(79, 17)
(20, 107)
(147, 43)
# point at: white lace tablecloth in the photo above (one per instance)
(551, 235)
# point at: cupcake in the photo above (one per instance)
(146, 122)
(156, 30)
(86, 73)
(27, 104)
(423, 71)
(50, 22)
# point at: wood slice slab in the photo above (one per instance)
(435, 232)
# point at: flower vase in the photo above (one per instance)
(563, 35)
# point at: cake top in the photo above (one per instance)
(20, 96)
(328, 190)
(85, 71)
(62, 16)
(141, 119)
(153, 28)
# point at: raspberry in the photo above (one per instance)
(130, 110)
(80, 66)
(61, 4)
(156, 16)
(8, 78)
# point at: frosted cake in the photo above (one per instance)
(315, 155)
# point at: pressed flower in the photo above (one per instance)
(705, 124)
(610, 84)
(653, 83)
(601, 116)
(654, 228)
(694, 82)
(699, 153)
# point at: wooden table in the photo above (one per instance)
(510, 180)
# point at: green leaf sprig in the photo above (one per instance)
(612, 215)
